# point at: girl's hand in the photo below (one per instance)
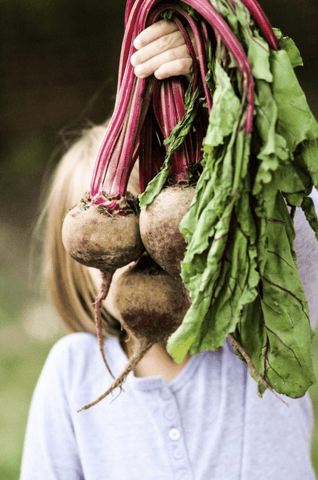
(161, 51)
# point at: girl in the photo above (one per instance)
(200, 420)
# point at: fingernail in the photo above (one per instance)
(137, 43)
(137, 71)
(157, 75)
(133, 60)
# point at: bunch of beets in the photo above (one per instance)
(206, 206)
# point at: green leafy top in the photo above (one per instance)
(240, 267)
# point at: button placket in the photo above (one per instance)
(174, 434)
(177, 453)
(169, 413)
(165, 394)
(175, 439)
(169, 409)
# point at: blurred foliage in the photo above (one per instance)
(59, 64)
(20, 368)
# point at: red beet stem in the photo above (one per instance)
(119, 149)
(262, 21)
(190, 49)
(169, 110)
(150, 147)
(207, 11)
(169, 114)
(221, 28)
(202, 59)
(137, 114)
(200, 46)
(135, 22)
(129, 5)
(117, 154)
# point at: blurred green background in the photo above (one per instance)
(59, 70)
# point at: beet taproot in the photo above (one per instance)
(152, 305)
(105, 237)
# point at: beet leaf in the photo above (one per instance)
(240, 267)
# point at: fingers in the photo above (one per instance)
(158, 46)
(180, 66)
(162, 52)
(175, 61)
(155, 31)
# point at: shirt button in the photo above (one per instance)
(169, 414)
(174, 434)
(177, 453)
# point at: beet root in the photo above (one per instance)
(159, 227)
(103, 238)
(152, 304)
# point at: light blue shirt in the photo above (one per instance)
(208, 423)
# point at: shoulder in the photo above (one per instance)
(74, 370)
(80, 346)
(72, 342)
(75, 359)
(71, 349)
(67, 358)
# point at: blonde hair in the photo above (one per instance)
(70, 284)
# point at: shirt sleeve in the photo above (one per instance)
(306, 248)
(276, 437)
(50, 449)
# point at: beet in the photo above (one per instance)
(152, 305)
(98, 237)
(105, 236)
(151, 302)
(159, 227)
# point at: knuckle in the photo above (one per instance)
(166, 42)
(135, 60)
(170, 55)
(171, 40)
(165, 23)
(183, 65)
(180, 66)
(167, 26)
